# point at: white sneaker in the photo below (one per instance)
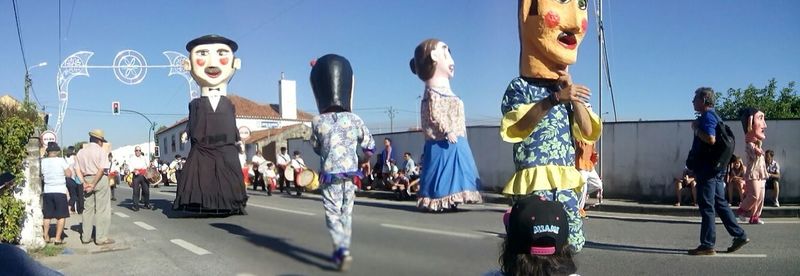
(346, 261)
(742, 219)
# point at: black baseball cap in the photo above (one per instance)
(537, 226)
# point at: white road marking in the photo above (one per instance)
(122, 215)
(732, 255)
(144, 225)
(657, 218)
(191, 247)
(281, 209)
(430, 231)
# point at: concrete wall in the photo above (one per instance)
(641, 158)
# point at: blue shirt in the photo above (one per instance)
(338, 137)
(706, 123)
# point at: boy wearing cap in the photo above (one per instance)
(537, 240)
(54, 198)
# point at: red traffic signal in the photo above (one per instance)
(115, 108)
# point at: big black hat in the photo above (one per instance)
(332, 82)
(211, 39)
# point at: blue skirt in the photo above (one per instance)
(449, 176)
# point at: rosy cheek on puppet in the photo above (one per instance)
(584, 25)
(223, 61)
(551, 19)
(200, 62)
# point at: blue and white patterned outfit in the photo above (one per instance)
(544, 155)
(337, 137)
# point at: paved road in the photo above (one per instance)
(285, 235)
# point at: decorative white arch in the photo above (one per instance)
(130, 68)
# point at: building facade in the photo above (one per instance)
(255, 116)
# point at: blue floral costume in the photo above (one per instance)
(544, 155)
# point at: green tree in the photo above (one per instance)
(776, 103)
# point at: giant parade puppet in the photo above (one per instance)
(212, 178)
(543, 110)
(753, 124)
(343, 142)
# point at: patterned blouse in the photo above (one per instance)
(337, 137)
(544, 154)
(442, 114)
(549, 142)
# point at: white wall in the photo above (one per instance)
(641, 158)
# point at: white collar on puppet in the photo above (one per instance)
(212, 92)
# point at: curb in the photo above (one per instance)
(616, 206)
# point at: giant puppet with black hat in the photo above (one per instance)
(343, 141)
(543, 110)
(212, 180)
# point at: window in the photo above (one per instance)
(173, 142)
(164, 146)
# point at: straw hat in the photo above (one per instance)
(98, 133)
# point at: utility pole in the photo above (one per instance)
(392, 112)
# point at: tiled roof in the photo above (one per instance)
(248, 109)
(261, 134)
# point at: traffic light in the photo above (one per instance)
(115, 108)
(156, 152)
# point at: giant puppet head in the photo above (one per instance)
(549, 33)
(211, 61)
(332, 81)
(432, 59)
(753, 124)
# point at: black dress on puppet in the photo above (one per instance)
(211, 180)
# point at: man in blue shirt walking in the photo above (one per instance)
(710, 187)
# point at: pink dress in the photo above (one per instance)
(755, 177)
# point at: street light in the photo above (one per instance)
(43, 63)
(29, 82)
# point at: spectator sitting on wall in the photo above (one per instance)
(685, 181)
(400, 186)
(735, 179)
(774, 172)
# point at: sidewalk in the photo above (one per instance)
(623, 206)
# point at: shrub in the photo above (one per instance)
(16, 126)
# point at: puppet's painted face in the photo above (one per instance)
(445, 65)
(212, 64)
(759, 125)
(550, 33)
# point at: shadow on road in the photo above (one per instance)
(279, 245)
(660, 220)
(633, 248)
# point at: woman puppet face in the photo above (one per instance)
(759, 125)
(445, 65)
(550, 31)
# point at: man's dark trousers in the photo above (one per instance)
(140, 185)
(711, 198)
(75, 195)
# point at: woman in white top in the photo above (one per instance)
(54, 205)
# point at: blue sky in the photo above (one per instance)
(659, 51)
